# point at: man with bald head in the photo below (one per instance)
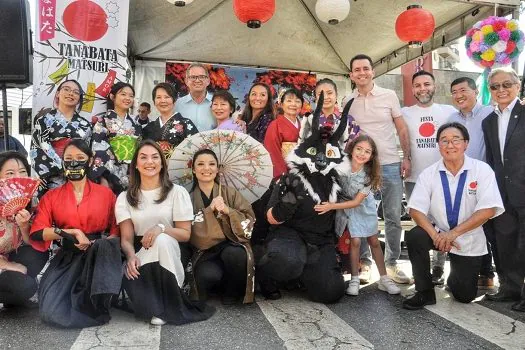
(504, 132)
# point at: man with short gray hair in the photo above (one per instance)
(196, 105)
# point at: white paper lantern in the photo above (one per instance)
(332, 11)
(180, 3)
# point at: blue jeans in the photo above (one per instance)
(392, 195)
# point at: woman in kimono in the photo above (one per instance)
(154, 216)
(220, 234)
(52, 131)
(283, 133)
(222, 108)
(170, 128)
(115, 137)
(86, 273)
(258, 112)
(19, 262)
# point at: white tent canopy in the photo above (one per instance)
(208, 31)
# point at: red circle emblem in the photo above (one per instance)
(85, 20)
(427, 129)
(473, 185)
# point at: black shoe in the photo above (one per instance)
(420, 299)
(519, 306)
(269, 290)
(502, 296)
(437, 276)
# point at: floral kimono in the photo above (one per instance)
(208, 230)
(169, 135)
(114, 143)
(51, 133)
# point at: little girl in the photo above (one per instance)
(359, 214)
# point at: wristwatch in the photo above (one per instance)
(162, 228)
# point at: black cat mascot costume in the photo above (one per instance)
(301, 243)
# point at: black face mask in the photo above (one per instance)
(75, 170)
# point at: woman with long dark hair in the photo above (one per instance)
(86, 273)
(52, 131)
(19, 262)
(258, 112)
(115, 137)
(220, 234)
(154, 216)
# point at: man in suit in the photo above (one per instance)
(504, 132)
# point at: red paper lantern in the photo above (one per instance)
(415, 25)
(254, 12)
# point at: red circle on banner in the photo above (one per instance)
(85, 20)
(427, 129)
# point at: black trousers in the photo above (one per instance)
(509, 229)
(223, 265)
(463, 278)
(486, 262)
(288, 257)
(15, 287)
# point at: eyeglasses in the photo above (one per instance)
(197, 77)
(69, 90)
(505, 85)
(445, 143)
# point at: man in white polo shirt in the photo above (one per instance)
(196, 105)
(451, 201)
(378, 113)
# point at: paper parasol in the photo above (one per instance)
(244, 163)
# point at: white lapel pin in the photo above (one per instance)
(515, 116)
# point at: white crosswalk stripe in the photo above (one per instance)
(123, 331)
(304, 325)
(497, 328)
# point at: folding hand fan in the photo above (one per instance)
(15, 194)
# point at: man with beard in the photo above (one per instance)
(423, 120)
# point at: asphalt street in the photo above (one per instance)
(372, 320)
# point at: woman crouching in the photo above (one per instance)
(221, 231)
(154, 216)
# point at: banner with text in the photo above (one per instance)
(84, 40)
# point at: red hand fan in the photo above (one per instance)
(15, 194)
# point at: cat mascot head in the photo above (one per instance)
(320, 159)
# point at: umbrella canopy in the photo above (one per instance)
(244, 163)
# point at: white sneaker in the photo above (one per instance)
(387, 285)
(353, 286)
(157, 321)
(397, 275)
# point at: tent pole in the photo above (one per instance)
(6, 119)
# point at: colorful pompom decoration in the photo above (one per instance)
(494, 41)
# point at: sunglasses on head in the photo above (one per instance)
(505, 85)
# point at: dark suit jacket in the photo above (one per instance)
(510, 174)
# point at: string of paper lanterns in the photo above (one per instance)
(332, 11)
(415, 25)
(254, 12)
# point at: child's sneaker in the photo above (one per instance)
(386, 284)
(353, 286)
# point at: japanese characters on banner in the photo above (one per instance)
(85, 40)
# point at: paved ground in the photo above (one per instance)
(372, 320)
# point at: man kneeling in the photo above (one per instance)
(451, 201)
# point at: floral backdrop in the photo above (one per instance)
(238, 81)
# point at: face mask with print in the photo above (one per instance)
(75, 170)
